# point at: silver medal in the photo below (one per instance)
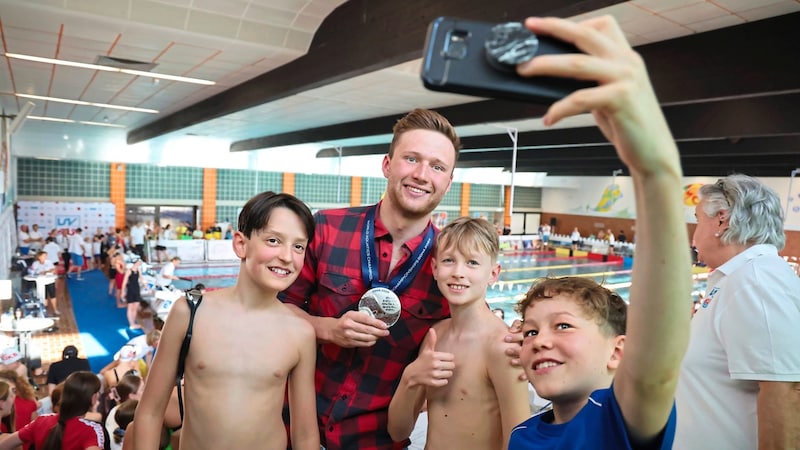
(382, 304)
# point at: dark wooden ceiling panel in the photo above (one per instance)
(358, 37)
(731, 96)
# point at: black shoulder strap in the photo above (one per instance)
(193, 299)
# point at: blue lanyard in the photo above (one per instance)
(369, 247)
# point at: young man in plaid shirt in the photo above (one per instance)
(384, 246)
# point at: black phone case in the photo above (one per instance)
(472, 73)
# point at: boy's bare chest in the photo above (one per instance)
(470, 380)
(257, 348)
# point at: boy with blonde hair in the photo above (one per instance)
(474, 396)
(574, 331)
(245, 345)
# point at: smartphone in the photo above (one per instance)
(474, 58)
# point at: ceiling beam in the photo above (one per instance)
(773, 115)
(745, 60)
(757, 156)
(358, 37)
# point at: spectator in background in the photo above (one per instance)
(611, 241)
(62, 239)
(138, 233)
(167, 273)
(53, 251)
(127, 362)
(130, 387)
(97, 251)
(25, 403)
(67, 429)
(76, 250)
(36, 239)
(162, 236)
(146, 346)
(24, 239)
(738, 386)
(7, 396)
(60, 370)
(11, 359)
(575, 237)
(43, 267)
(546, 236)
(132, 284)
(621, 237)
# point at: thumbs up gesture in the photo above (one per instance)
(431, 368)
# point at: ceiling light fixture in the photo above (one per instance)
(63, 62)
(82, 122)
(51, 119)
(84, 103)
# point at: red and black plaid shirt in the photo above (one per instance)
(355, 385)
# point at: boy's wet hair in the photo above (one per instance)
(600, 304)
(424, 119)
(257, 211)
(468, 234)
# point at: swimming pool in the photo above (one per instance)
(519, 271)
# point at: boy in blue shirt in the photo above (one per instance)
(574, 333)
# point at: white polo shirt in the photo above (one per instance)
(747, 330)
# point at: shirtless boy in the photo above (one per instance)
(245, 345)
(474, 396)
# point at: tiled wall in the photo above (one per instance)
(484, 195)
(372, 189)
(81, 180)
(165, 183)
(527, 197)
(316, 189)
(240, 185)
(46, 178)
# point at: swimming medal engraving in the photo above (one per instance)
(382, 304)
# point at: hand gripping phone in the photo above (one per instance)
(479, 59)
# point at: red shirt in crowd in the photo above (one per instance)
(79, 433)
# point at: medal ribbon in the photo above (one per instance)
(369, 248)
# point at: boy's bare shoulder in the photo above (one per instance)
(291, 321)
(494, 333)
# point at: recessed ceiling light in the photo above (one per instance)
(85, 103)
(63, 62)
(82, 122)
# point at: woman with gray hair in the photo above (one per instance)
(740, 381)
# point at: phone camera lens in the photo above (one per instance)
(456, 45)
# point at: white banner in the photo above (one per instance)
(48, 215)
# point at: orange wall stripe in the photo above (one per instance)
(465, 190)
(507, 207)
(355, 191)
(288, 183)
(208, 212)
(117, 193)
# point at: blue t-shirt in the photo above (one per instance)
(598, 426)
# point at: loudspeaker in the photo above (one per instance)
(553, 221)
